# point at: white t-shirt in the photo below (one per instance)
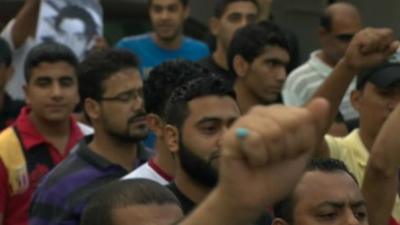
(149, 171)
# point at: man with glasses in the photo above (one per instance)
(111, 91)
(338, 24)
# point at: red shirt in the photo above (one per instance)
(15, 208)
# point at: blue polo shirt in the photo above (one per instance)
(61, 197)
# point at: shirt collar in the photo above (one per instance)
(319, 65)
(31, 137)
(95, 159)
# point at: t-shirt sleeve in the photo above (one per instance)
(335, 147)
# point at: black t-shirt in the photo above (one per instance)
(188, 205)
(210, 64)
(10, 111)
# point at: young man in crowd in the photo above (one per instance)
(158, 87)
(136, 201)
(167, 40)
(229, 16)
(112, 92)
(258, 56)
(44, 132)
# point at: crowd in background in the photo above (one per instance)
(165, 129)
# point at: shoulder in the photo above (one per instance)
(191, 42)
(134, 40)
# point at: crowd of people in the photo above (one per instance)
(165, 129)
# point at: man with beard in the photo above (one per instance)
(198, 114)
(167, 41)
(111, 90)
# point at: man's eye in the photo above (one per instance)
(235, 17)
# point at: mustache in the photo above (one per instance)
(213, 156)
(136, 116)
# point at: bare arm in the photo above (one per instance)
(381, 177)
(368, 48)
(278, 146)
(25, 23)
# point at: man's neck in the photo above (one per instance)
(219, 57)
(170, 44)
(115, 151)
(191, 189)
(164, 159)
(244, 98)
(327, 60)
(51, 129)
(366, 138)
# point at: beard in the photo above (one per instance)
(197, 168)
(127, 136)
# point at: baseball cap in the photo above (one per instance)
(382, 76)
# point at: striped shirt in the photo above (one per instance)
(304, 81)
(62, 195)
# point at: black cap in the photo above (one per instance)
(382, 76)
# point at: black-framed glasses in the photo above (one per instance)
(124, 97)
(344, 37)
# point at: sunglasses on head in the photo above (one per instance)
(344, 37)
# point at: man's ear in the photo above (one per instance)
(171, 137)
(155, 124)
(240, 65)
(213, 25)
(279, 221)
(356, 98)
(92, 109)
(187, 11)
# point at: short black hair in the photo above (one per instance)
(251, 40)
(76, 12)
(5, 53)
(164, 78)
(221, 5)
(49, 52)
(99, 66)
(176, 109)
(121, 194)
(184, 2)
(285, 208)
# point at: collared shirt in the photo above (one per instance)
(151, 171)
(62, 195)
(41, 156)
(352, 151)
(304, 81)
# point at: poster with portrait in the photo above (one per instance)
(75, 23)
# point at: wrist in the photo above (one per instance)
(347, 66)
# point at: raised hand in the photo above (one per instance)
(370, 47)
(264, 165)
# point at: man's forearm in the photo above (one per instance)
(25, 22)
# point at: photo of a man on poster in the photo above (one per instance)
(73, 23)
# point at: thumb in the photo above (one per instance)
(319, 109)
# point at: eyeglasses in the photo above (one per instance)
(124, 97)
(344, 37)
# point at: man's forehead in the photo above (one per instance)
(241, 7)
(319, 186)
(223, 107)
